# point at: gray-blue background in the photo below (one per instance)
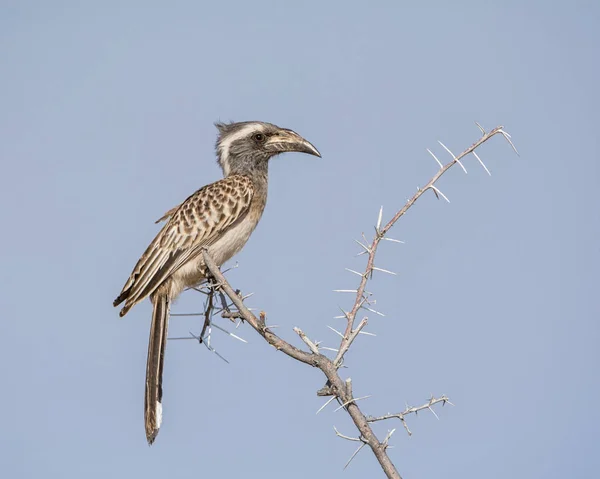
(106, 114)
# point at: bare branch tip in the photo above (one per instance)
(311, 345)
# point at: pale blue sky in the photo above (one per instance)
(106, 122)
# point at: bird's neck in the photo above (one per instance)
(258, 171)
(260, 180)
(259, 198)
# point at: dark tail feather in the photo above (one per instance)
(122, 297)
(154, 366)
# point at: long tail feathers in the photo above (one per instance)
(154, 366)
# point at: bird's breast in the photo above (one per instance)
(229, 243)
(233, 240)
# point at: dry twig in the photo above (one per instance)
(362, 295)
(412, 410)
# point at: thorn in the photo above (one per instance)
(393, 240)
(508, 138)
(368, 250)
(388, 436)
(453, 156)
(339, 434)
(207, 344)
(383, 270)
(435, 189)
(436, 416)
(379, 219)
(373, 311)
(336, 331)
(482, 164)
(330, 349)
(481, 128)
(354, 455)
(345, 291)
(210, 348)
(366, 333)
(230, 334)
(325, 405)
(352, 271)
(435, 158)
(351, 401)
(447, 149)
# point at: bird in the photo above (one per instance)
(219, 217)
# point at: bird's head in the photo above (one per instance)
(246, 147)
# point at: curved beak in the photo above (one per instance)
(288, 140)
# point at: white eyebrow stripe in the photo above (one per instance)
(225, 145)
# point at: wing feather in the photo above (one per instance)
(193, 225)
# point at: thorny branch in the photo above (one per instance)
(337, 384)
(208, 311)
(211, 290)
(362, 297)
(412, 410)
(336, 387)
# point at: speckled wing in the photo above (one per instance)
(167, 215)
(195, 224)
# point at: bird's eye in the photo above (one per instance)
(259, 137)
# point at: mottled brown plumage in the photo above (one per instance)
(195, 224)
(219, 217)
